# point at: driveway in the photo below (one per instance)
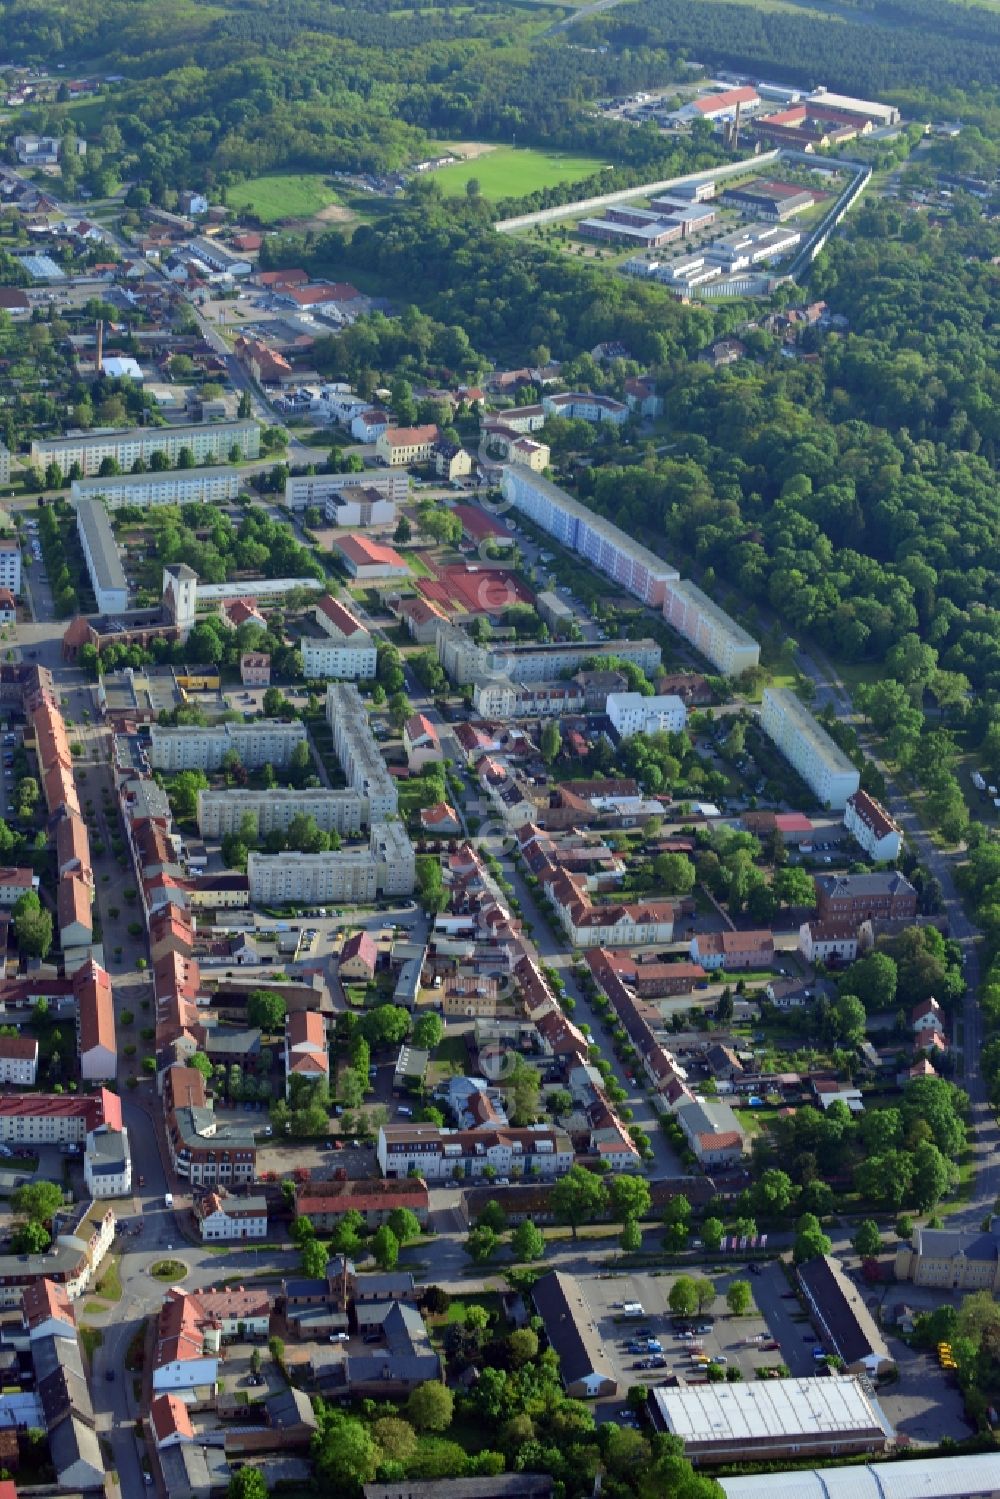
(779, 1310)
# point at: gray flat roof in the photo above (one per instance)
(93, 520)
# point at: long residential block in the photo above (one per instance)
(447, 1154)
(185, 486)
(100, 552)
(463, 660)
(385, 867)
(808, 748)
(265, 741)
(333, 658)
(638, 570)
(204, 441)
(356, 749)
(221, 812)
(335, 489)
(710, 630)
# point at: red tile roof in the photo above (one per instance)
(339, 616)
(95, 1008)
(367, 553)
(170, 1417)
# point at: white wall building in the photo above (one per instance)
(204, 441)
(327, 658)
(185, 486)
(710, 630)
(356, 749)
(10, 555)
(19, 1061)
(634, 713)
(4, 464)
(808, 748)
(871, 826)
(265, 741)
(318, 489)
(446, 1155)
(581, 406)
(638, 570)
(385, 867)
(222, 811)
(222, 1219)
(107, 1163)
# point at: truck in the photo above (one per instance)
(632, 1309)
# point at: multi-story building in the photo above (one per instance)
(326, 490)
(808, 748)
(4, 464)
(733, 949)
(57, 1119)
(197, 486)
(712, 1130)
(210, 441)
(325, 1203)
(638, 570)
(464, 661)
(864, 897)
(443, 1155)
(95, 1022)
(264, 741)
(633, 713)
(385, 867)
(871, 826)
(10, 560)
(19, 1060)
(399, 446)
(581, 406)
(357, 750)
(828, 941)
(14, 883)
(107, 1164)
(953, 1259)
(337, 659)
(82, 1236)
(226, 1218)
(203, 1150)
(306, 1053)
(499, 697)
(222, 811)
(100, 552)
(367, 559)
(710, 630)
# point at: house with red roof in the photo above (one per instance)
(19, 1060)
(337, 621)
(358, 957)
(95, 1023)
(306, 1054)
(421, 742)
(399, 446)
(441, 819)
(170, 1420)
(365, 559)
(871, 826)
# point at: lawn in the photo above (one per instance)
(292, 195)
(509, 172)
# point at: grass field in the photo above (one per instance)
(293, 195)
(510, 173)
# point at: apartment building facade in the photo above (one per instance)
(358, 752)
(333, 489)
(463, 660)
(10, 560)
(199, 486)
(222, 811)
(690, 612)
(444, 1155)
(871, 826)
(399, 446)
(638, 570)
(386, 867)
(582, 406)
(808, 748)
(204, 441)
(633, 713)
(340, 659)
(265, 741)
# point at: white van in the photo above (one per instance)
(169, 1200)
(633, 1309)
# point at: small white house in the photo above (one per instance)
(222, 1219)
(872, 827)
(107, 1163)
(828, 941)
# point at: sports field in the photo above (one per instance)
(292, 195)
(509, 173)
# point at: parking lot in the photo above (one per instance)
(733, 1342)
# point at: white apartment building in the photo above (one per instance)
(265, 741)
(327, 658)
(356, 749)
(386, 867)
(464, 661)
(399, 446)
(323, 489)
(633, 713)
(581, 406)
(222, 811)
(446, 1155)
(871, 826)
(224, 1218)
(4, 464)
(19, 1061)
(808, 748)
(185, 486)
(107, 1164)
(10, 561)
(100, 552)
(209, 440)
(499, 697)
(638, 570)
(720, 639)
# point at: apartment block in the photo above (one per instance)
(57, 1118)
(385, 867)
(210, 441)
(10, 562)
(328, 658)
(199, 486)
(581, 406)
(337, 489)
(399, 446)
(4, 464)
(265, 741)
(356, 749)
(633, 713)
(444, 1155)
(808, 748)
(638, 570)
(710, 630)
(100, 552)
(221, 812)
(19, 1060)
(871, 826)
(463, 660)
